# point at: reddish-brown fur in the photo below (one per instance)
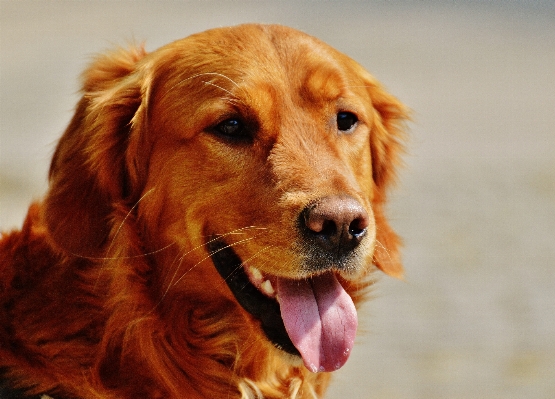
(108, 291)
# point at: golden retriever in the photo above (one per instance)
(214, 215)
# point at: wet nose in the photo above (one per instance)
(336, 224)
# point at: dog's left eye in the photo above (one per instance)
(346, 121)
(231, 128)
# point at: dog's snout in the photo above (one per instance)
(336, 224)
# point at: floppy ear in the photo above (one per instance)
(89, 176)
(386, 144)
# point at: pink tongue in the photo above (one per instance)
(320, 318)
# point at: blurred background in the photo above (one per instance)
(475, 316)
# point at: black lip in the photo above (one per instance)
(265, 309)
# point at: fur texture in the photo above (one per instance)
(109, 290)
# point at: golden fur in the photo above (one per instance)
(109, 291)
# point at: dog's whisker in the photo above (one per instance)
(232, 101)
(258, 254)
(239, 231)
(126, 217)
(198, 75)
(219, 87)
(208, 257)
(120, 227)
(254, 256)
(220, 75)
(179, 259)
(201, 246)
(127, 257)
(244, 262)
(172, 283)
(129, 212)
(385, 249)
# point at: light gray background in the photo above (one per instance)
(475, 317)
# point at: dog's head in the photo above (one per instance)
(255, 151)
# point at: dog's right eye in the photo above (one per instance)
(231, 128)
(346, 121)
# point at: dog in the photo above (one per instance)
(214, 217)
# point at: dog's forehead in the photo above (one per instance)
(245, 57)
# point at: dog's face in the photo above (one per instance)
(257, 156)
(246, 144)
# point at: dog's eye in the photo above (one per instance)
(346, 121)
(231, 128)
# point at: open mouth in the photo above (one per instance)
(312, 318)
(262, 307)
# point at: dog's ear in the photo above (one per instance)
(89, 174)
(386, 143)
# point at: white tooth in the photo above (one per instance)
(267, 288)
(256, 274)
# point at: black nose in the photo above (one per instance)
(336, 224)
